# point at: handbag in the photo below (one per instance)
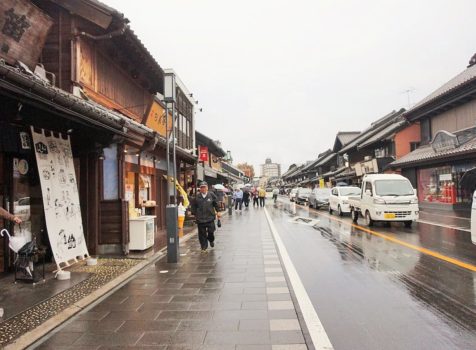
(218, 223)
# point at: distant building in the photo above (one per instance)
(270, 169)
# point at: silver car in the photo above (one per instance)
(319, 198)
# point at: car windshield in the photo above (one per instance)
(304, 191)
(349, 191)
(393, 188)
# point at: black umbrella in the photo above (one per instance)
(468, 180)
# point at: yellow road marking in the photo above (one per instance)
(403, 243)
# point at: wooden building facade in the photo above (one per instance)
(93, 80)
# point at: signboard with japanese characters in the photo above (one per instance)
(156, 119)
(23, 30)
(60, 196)
(203, 153)
(444, 141)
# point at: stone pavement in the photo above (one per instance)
(235, 297)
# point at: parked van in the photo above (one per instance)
(385, 197)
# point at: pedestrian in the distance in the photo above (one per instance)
(255, 198)
(275, 194)
(205, 208)
(262, 196)
(246, 198)
(238, 198)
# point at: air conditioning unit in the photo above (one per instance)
(44, 75)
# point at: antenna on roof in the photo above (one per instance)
(408, 92)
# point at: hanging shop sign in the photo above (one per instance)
(23, 30)
(203, 153)
(60, 197)
(156, 119)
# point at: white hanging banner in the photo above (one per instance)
(60, 197)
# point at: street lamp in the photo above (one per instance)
(170, 91)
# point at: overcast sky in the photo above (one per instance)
(279, 78)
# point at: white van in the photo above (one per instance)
(385, 197)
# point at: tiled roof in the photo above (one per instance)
(466, 137)
(374, 128)
(461, 79)
(384, 133)
(334, 172)
(346, 136)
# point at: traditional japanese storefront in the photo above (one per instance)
(436, 170)
(20, 188)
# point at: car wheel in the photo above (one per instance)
(408, 224)
(368, 219)
(339, 210)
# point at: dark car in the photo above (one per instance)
(319, 198)
(302, 195)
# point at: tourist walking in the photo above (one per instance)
(246, 197)
(255, 198)
(238, 198)
(205, 208)
(261, 195)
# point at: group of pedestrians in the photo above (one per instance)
(207, 205)
(241, 197)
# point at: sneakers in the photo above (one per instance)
(204, 251)
(212, 244)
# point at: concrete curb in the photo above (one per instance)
(33, 336)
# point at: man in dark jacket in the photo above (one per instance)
(205, 208)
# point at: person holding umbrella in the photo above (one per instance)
(205, 208)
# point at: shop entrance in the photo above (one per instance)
(20, 194)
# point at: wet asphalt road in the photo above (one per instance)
(372, 293)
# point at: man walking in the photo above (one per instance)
(262, 195)
(205, 208)
(246, 198)
(255, 198)
(238, 198)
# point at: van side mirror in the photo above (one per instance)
(415, 190)
(368, 193)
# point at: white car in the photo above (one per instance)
(339, 199)
(292, 194)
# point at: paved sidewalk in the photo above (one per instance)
(235, 297)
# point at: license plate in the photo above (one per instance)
(389, 216)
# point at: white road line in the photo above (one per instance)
(444, 226)
(316, 329)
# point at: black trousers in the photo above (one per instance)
(261, 201)
(255, 201)
(247, 202)
(206, 232)
(238, 202)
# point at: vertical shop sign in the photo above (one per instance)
(60, 196)
(203, 153)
